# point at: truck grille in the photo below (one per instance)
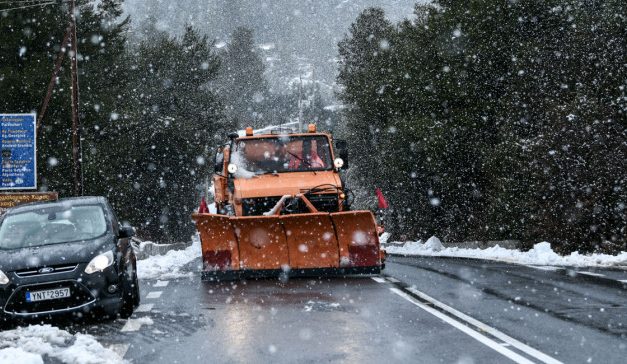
(324, 203)
(257, 206)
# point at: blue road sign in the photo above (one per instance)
(19, 151)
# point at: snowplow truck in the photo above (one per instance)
(281, 209)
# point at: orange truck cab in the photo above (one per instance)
(283, 209)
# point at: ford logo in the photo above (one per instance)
(46, 270)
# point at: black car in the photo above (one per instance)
(68, 257)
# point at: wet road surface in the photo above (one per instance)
(563, 312)
(428, 310)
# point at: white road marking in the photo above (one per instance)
(161, 284)
(132, 325)
(145, 307)
(393, 280)
(591, 274)
(136, 324)
(544, 267)
(490, 330)
(119, 349)
(378, 279)
(465, 329)
(155, 294)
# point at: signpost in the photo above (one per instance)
(8, 200)
(18, 142)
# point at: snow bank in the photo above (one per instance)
(541, 254)
(17, 355)
(169, 265)
(29, 345)
(383, 239)
(434, 244)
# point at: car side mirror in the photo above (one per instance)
(342, 150)
(219, 162)
(127, 232)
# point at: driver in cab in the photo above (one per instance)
(307, 160)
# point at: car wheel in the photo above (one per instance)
(136, 295)
(6, 325)
(128, 298)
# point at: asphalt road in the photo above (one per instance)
(427, 310)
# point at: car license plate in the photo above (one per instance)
(49, 294)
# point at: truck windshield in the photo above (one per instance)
(281, 154)
(52, 225)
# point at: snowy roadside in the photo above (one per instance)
(37, 344)
(541, 254)
(30, 345)
(168, 266)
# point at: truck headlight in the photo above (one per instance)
(99, 263)
(3, 278)
(338, 163)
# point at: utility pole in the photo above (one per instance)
(53, 79)
(71, 40)
(76, 132)
(300, 104)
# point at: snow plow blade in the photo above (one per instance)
(219, 244)
(309, 244)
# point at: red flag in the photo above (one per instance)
(383, 204)
(203, 209)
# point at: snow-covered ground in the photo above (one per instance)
(541, 254)
(30, 345)
(169, 265)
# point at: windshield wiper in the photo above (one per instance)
(300, 159)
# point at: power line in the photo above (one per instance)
(29, 6)
(24, 2)
(21, 2)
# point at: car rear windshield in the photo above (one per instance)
(52, 225)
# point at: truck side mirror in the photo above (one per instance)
(342, 150)
(219, 161)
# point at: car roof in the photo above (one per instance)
(74, 201)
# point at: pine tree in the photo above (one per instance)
(241, 83)
(173, 122)
(366, 58)
(31, 40)
(506, 120)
